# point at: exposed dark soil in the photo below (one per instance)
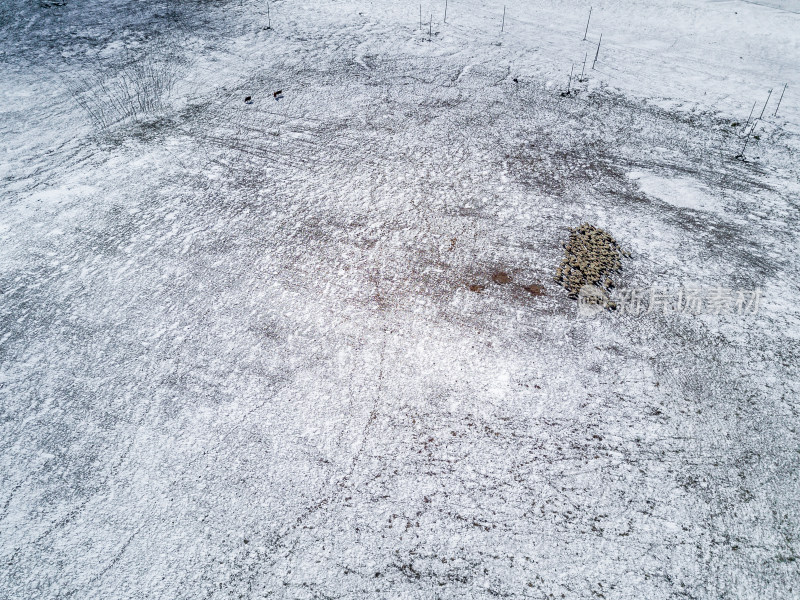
(535, 289)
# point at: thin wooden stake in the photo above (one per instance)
(430, 29)
(569, 81)
(741, 153)
(269, 18)
(744, 146)
(584, 65)
(746, 125)
(765, 105)
(780, 99)
(503, 26)
(596, 54)
(420, 17)
(445, 11)
(587, 24)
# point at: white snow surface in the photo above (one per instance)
(239, 355)
(685, 192)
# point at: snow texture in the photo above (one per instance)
(239, 353)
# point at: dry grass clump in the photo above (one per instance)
(135, 88)
(591, 256)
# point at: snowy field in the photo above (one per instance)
(239, 352)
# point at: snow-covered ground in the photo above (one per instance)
(239, 353)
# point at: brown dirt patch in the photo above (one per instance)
(501, 277)
(535, 289)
